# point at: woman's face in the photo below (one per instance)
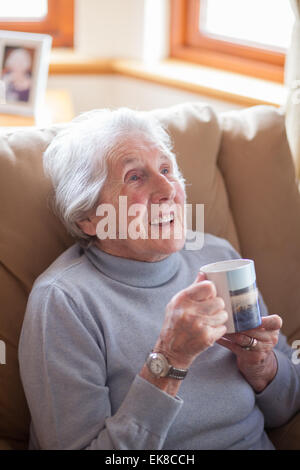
(152, 204)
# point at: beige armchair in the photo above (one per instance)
(238, 164)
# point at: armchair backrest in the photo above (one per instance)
(238, 164)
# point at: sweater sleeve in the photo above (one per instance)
(63, 371)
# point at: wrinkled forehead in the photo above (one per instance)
(131, 149)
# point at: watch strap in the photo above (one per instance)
(175, 373)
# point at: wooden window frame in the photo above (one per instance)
(59, 23)
(188, 43)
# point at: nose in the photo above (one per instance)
(163, 189)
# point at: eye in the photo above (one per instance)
(165, 171)
(133, 178)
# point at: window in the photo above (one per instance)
(34, 9)
(244, 36)
(54, 17)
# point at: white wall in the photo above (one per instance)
(143, 95)
(122, 28)
(90, 92)
(136, 29)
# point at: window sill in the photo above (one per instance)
(197, 79)
(58, 108)
(69, 62)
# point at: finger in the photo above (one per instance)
(211, 306)
(218, 332)
(236, 349)
(200, 277)
(262, 336)
(271, 322)
(215, 320)
(201, 291)
(244, 341)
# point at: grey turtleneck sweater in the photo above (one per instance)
(91, 320)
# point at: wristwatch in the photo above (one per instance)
(159, 366)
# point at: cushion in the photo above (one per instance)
(257, 166)
(287, 437)
(196, 135)
(30, 239)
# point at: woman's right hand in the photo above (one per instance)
(194, 321)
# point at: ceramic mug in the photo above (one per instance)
(235, 281)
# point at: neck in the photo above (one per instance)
(149, 258)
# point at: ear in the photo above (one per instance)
(87, 226)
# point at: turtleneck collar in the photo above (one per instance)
(132, 272)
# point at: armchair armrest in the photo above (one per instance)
(287, 437)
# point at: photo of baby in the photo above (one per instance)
(16, 73)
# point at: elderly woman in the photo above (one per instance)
(115, 323)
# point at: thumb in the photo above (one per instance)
(200, 277)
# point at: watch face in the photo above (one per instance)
(157, 364)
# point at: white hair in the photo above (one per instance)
(76, 159)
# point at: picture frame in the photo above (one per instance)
(24, 66)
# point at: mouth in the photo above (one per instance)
(163, 220)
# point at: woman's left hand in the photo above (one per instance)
(257, 364)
